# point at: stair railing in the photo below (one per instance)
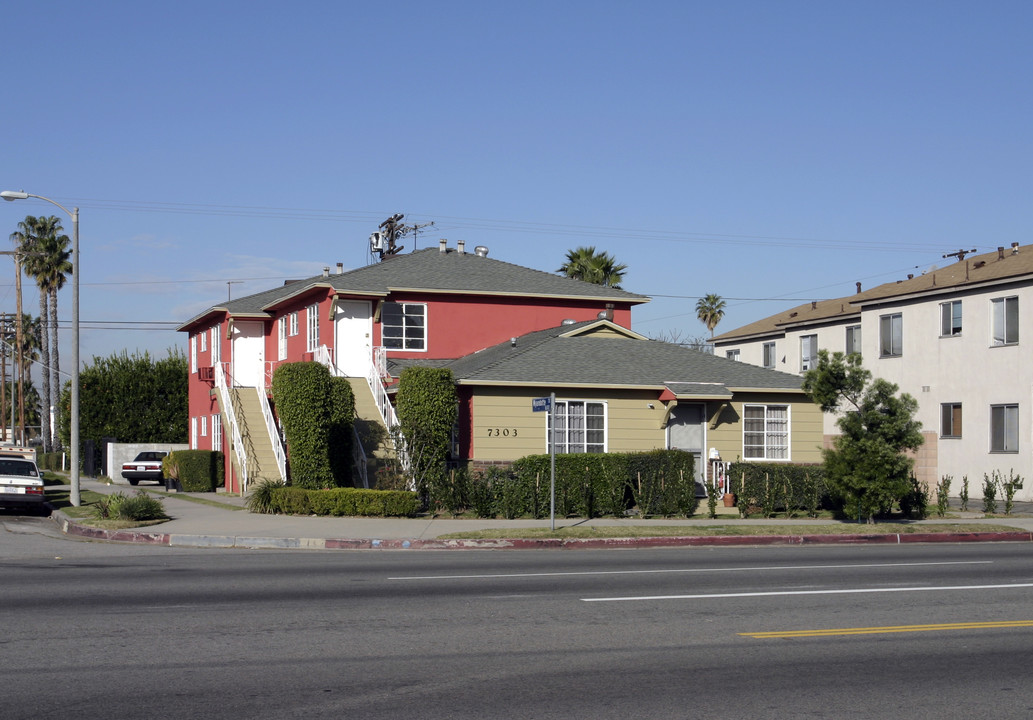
(274, 434)
(231, 409)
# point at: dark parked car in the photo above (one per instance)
(146, 466)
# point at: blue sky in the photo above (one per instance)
(770, 152)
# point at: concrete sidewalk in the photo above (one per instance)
(223, 522)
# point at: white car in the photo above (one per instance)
(20, 482)
(146, 466)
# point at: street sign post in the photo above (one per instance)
(546, 404)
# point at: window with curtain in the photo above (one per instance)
(580, 427)
(765, 432)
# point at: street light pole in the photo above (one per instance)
(73, 419)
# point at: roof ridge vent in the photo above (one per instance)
(481, 251)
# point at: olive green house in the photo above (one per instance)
(617, 391)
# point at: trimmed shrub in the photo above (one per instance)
(136, 507)
(336, 501)
(340, 440)
(302, 392)
(427, 407)
(195, 470)
(778, 487)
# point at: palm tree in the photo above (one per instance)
(710, 309)
(56, 266)
(599, 268)
(44, 252)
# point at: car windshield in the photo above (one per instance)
(17, 467)
(150, 455)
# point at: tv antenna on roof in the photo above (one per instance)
(960, 254)
(385, 242)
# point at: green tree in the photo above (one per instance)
(303, 394)
(133, 398)
(597, 267)
(427, 407)
(39, 242)
(709, 310)
(866, 467)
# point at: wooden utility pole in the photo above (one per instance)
(19, 337)
(3, 375)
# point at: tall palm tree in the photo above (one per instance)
(55, 267)
(710, 309)
(597, 267)
(39, 240)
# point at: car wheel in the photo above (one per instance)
(133, 482)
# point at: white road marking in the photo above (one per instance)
(687, 570)
(808, 592)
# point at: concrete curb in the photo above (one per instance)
(70, 527)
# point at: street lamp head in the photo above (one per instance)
(11, 195)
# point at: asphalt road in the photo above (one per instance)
(104, 631)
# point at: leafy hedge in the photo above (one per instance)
(658, 483)
(338, 502)
(195, 470)
(427, 407)
(316, 411)
(770, 488)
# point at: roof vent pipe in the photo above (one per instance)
(858, 288)
(1014, 248)
(814, 304)
(910, 276)
(461, 246)
(481, 251)
(1000, 252)
(442, 245)
(340, 268)
(326, 271)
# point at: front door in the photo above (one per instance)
(353, 342)
(686, 430)
(248, 363)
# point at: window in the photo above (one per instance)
(891, 336)
(1005, 318)
(853, 340)
(193, 353)
(808, 352)
(204, 342)
(950, 420)
(765, 432)
(404, 326)
(769, 354)
(580, 427)
(217, 432)
(1004, 428)
(732, 355)
(293, 324)
(281, 340)
(312, 327)
(204, 426)
(950, 318)
(216, 339)
(193, 433)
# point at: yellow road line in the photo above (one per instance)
(829, 632)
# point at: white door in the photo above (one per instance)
(248, 363)
(353, 341)
(686, 430)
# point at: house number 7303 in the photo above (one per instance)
(502, 432)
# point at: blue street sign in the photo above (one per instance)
(541, 404)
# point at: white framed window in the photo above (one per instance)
(732, 355)
(312, 327)
(216, 343)
(950, 318)
(769, 355)
(1005, 320)
(404, 326)
(193, 353)
(1004, 428)
(204, 341)
(204, 426)
(293, 324)
(853, 340)
(950, 420)
(891, 335)
(580, 427)
(193, 433)
(808, 352)
(765, 432)
(281, 340)
(217, 432)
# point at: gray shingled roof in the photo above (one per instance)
(549, 357)
(433, 271)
